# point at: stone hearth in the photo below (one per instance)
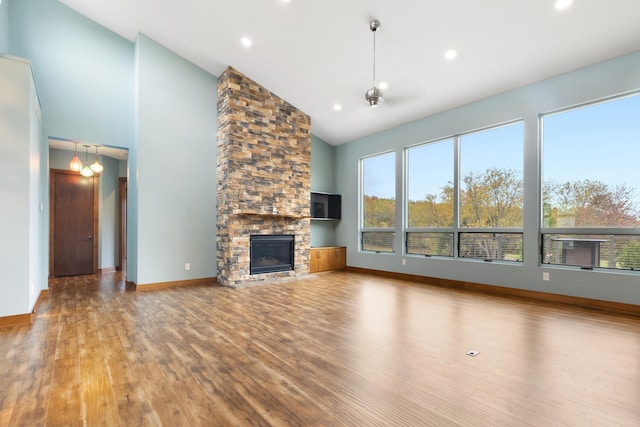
(263, 177)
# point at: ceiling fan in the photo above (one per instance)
(374, 95)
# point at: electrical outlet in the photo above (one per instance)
(404, 261)
(545, 275)
(187, 266)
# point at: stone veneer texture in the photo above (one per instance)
(263, 176)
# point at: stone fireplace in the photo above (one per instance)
(263, 177)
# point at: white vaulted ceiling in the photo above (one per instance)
(316, 53)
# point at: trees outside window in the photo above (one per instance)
(492, 193)
(491, 188)
(378, 202)
(590, 195)
(430, 199)
(430, 185)
(488, 191)
(464, 195)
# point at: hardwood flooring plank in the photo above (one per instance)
(134, 407)
(338, 349)
(97, 396)
(36, 361)
(65, 405)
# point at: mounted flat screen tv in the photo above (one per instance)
(325, 206)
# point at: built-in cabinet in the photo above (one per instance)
(328, 258)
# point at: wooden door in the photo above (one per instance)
(74, 224)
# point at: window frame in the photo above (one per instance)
(362, 230)
(602, 231)
(457, 229)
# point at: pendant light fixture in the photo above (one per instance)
(96, 166)
(374, 95)
(76, 163)
(86, 170)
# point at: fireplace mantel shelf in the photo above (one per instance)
(272, 216)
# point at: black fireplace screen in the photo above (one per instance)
(271, 253)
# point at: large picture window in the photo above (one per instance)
(378, 202)
(487, 191)
(491, 181)
(430, 199)
(492, 193)
(591, 187)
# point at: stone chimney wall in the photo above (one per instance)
(263, 176)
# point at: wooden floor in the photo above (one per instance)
(340, 349)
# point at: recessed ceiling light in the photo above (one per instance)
(383, 85)
(246, 41)
(450, 54)
(337, 107)
(563, 4)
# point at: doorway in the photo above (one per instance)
(73, 243)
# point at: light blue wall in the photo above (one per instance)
(176, 164)
(602, 80)
(322, 180)
(85, 76)
(84, 72)
(132, 210)
(322, 168)
(109, 219)
(4, 27)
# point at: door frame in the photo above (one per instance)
(122, 228)
(96, 196)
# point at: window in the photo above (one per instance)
(590, 191)
(378, 202)
(430, 199)
(490, 246)
(488, 191)
(491, 181)
(492, 193)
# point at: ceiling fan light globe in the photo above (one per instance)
(374, 96)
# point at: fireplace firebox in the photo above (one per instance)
(271, 253)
